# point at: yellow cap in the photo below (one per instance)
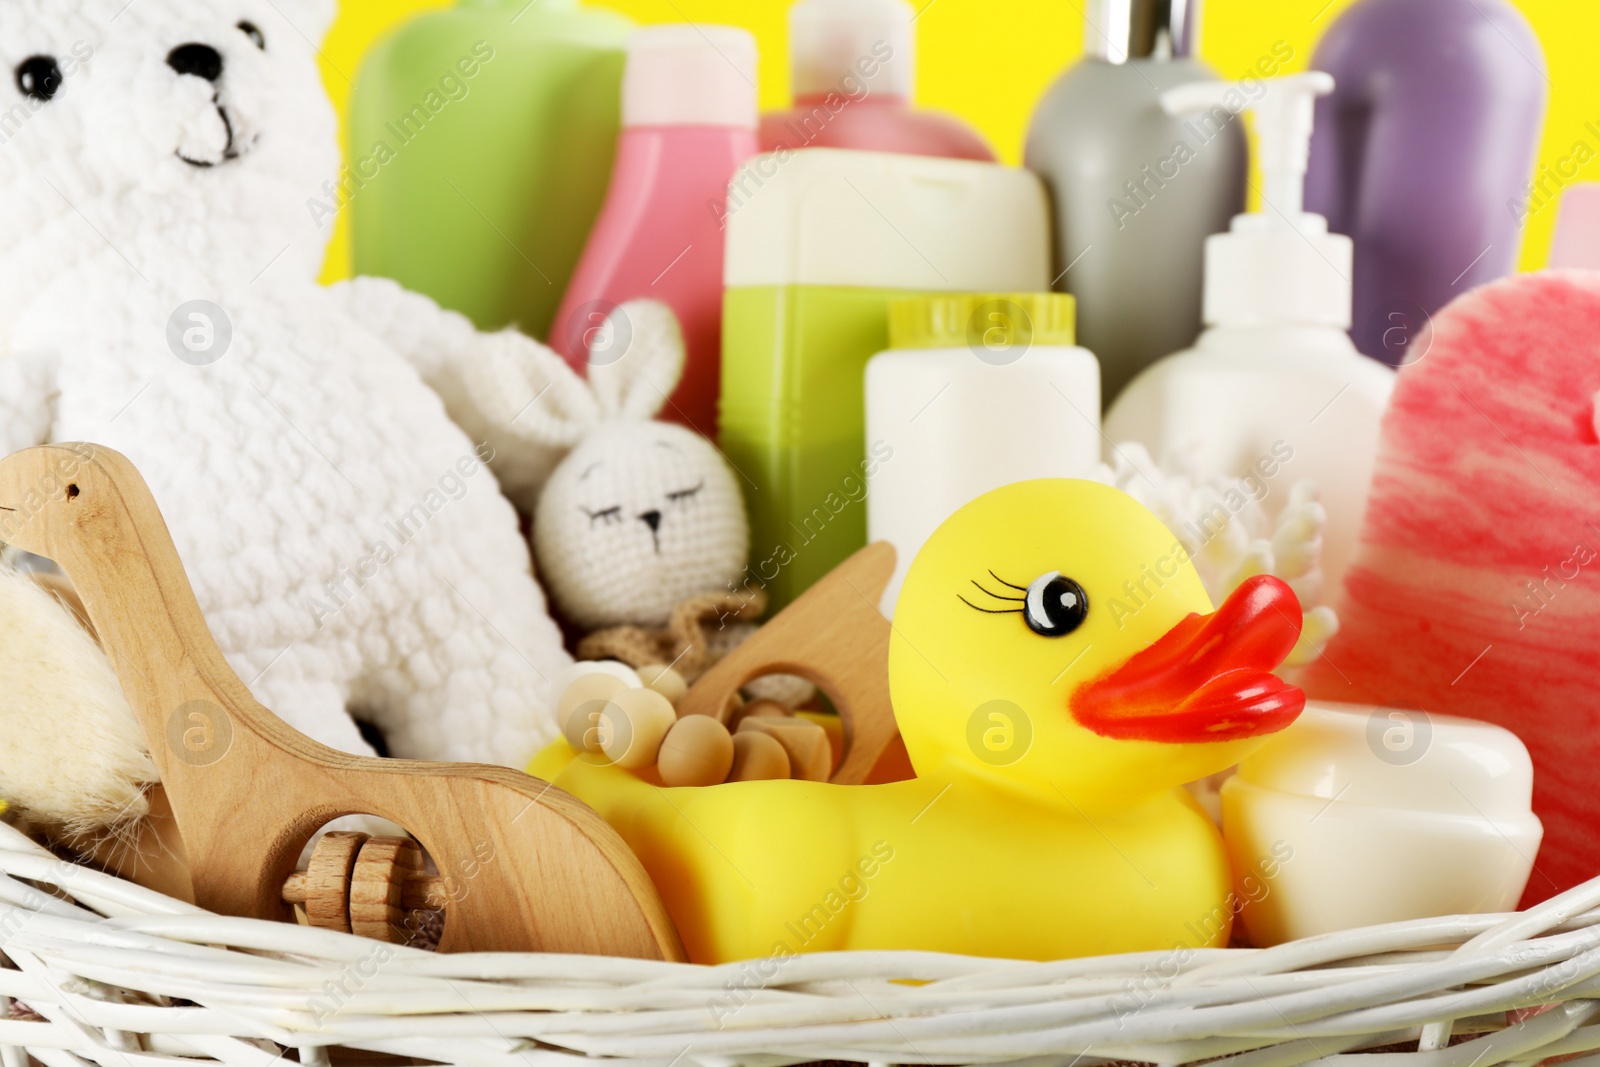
(994, 321)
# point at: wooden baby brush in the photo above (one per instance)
(523, 866)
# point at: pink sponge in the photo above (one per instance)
(1476, 588)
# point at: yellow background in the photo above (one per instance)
(989, 61)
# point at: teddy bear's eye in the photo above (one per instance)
(39, 77)
(252, 31)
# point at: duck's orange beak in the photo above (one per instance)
(1209, 679)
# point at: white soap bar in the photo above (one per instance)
(1356, 816)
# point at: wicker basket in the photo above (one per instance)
(95, 969)
(116, 975)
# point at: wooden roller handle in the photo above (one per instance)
(835, 637)
(539, 871)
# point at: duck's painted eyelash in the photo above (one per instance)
(685, 494)
(609, 516)
(997, 596)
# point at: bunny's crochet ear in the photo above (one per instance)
(636, 360)
(526, 390)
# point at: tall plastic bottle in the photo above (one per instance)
(1274, 391)
(854, 66)
(821, 243)
(480, 143)
(689, 121)
(1136, 191)
(1424, 152)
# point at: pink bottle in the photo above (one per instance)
(688, 122)
(853, 67)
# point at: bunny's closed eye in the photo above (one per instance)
(685, 495)
(610, 516)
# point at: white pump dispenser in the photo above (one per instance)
(1279, 264)
(1274, 391)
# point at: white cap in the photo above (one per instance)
(1394, 758)
(882, 220)
(845, 46)
(690, 75)
(1280, 265)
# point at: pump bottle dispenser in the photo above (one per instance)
(1274, 391)
(1137, 191)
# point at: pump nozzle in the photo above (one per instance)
(1280, 265)
(1285, 111)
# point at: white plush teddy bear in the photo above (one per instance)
(640, 515)
(314, 451)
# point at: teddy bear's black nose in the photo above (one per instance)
(201, 60)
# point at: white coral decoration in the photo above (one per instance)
(1234, 530)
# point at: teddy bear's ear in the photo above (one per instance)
(310, 18)
(635, 363)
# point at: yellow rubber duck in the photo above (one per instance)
(1058, 673)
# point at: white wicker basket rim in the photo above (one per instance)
(123, 977)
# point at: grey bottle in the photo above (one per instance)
(1136, 191)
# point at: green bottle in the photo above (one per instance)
(821, 242)
(480, 145)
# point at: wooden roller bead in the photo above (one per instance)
(760, 709)
(758, 757)
(577, 708)
(333, 862)
(810, 754)
(638, 721)
(421, 893)
(377, 889)
(698, 751)
(664, 680)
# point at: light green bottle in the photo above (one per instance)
(820, 243)
(480, 146)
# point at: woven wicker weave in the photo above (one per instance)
(123, 977)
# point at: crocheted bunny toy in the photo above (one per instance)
(164, 172)
(640, 515)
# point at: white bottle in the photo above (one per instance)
(1274, 390)
(976, 392)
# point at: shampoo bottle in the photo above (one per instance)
(975, 392)
(820, 243)
(480, 143)
(1424, 152)
(854, 68)
(1274, 384)
(689, 121)
(1137, 191)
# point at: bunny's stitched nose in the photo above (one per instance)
(200, 60)
(652, 519)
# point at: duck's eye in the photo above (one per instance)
(1056, 605)
(252, 31)
(39, 77)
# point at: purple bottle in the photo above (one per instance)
(1423, 153)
